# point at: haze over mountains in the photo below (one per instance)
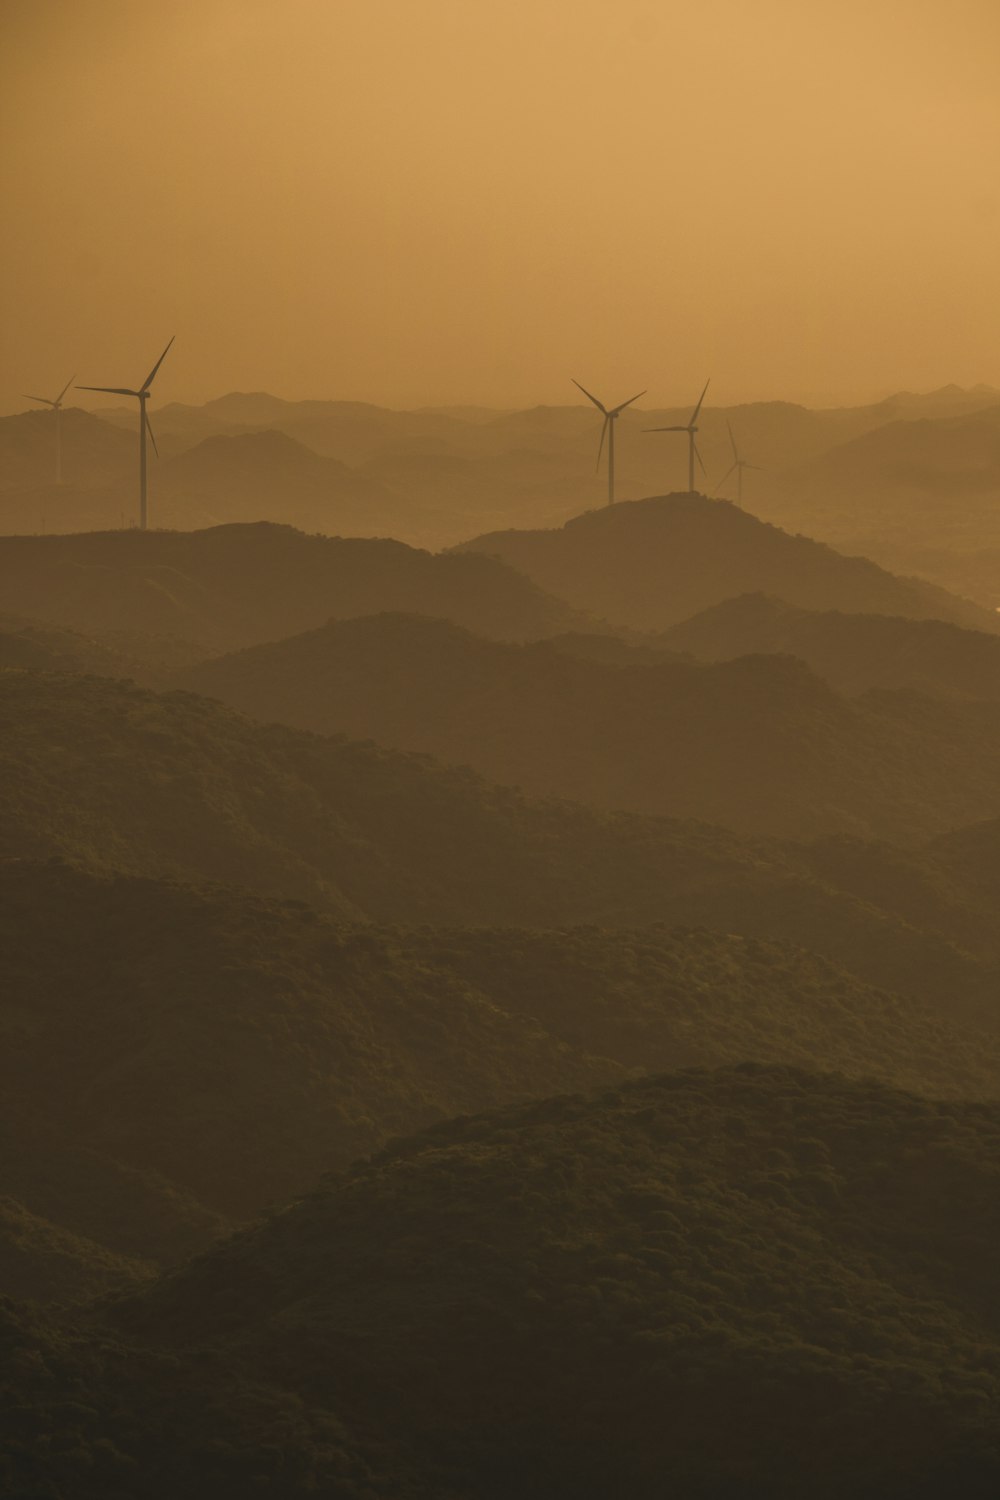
(909, 481)
(653, 737)
(628, 884)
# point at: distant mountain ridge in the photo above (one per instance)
(854, 652)
(232, 585)
(652, 563)
(758, 743)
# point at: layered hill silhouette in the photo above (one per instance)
(759, 743)
(744, 1281)
(175, 1060)
(918, 493)
(175, 785)
(652, 563)
(232, 585)
(853, 652)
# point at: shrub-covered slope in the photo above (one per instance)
(745, 1283)
(172, 1060)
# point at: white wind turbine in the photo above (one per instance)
(608, 428)
(142, 394)
(690, 428)
(56, 406)
(739, 464)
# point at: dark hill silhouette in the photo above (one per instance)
(233, 585)
(740, 1282)
(176, 785)
(652, 563)
(854, 652)
(759, 744)
(226, 1050)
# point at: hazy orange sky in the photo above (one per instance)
(466, 201)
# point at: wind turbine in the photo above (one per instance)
(56, 406)
(143, 395)
(610, 417)
(690, 428)
(739, 464)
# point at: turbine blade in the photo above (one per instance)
(604, 427)
(589, 397)
(694, 414)
(64, 390)
(149, 378)
(758, 467)
(43, 399)
(700, 464)
(149, 429)
(736, 455)
(664, 429)
(112, 390)
(614, 412)
(725, 476)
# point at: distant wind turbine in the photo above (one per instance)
(610, 417)
(690, 428)
(142, 394)
(739, 464)
(56, 406)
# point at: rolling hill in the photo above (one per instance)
(233, 585)
(712, 1283)
(853, 652)
(177, 1060)
(758, 744)
(652, 563)
(174, 785)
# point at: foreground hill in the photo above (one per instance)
(736, 1283)
(652, 563)
(175, 1060)
(233, 585)
(174, 785)
(758, 744)
(854, 652)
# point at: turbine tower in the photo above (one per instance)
(142, 394)
(56, 406)
(690, 428)
(739, 464)
(610, 417)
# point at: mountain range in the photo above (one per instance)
(758, 743)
